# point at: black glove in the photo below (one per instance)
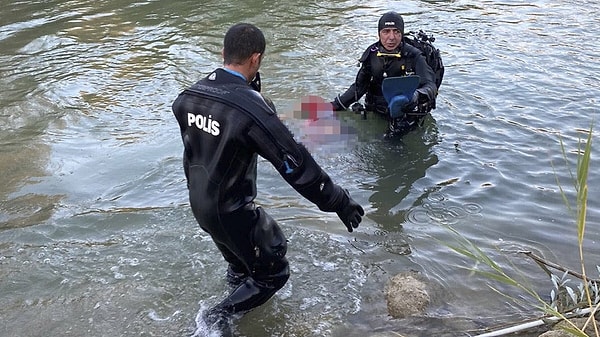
(418, 99)
(351, 213)
(424, 108)
(337, 106)
(358, 108)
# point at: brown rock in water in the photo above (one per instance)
(406, 295)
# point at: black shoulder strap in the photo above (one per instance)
(371, 49)
(231, 96)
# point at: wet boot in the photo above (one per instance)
(216, 319)
(235, 276)
(247, 296)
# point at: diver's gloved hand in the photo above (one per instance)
(351, 214)
(358, 108)
(423, 108)
(337, 106)
(420, 103)
(416, 99)
(419, 98)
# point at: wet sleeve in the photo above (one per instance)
(357, 90)
(427, 85)
(274, 142)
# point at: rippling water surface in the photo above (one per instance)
(97, 239)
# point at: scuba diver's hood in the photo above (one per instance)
(391, 20)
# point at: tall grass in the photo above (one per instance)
(565, 301)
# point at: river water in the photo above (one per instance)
(96, 236)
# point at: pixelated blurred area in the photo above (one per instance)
(317, 126)
(313, 108)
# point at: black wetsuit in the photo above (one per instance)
(377, 64)
(225, 124)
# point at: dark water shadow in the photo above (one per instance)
(389, 169)
(392, 166)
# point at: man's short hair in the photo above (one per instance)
(241, 41)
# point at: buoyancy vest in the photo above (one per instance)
(383, 64)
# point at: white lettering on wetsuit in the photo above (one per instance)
(205, 124)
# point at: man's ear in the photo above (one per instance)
(256, 58)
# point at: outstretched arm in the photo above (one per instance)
(275, 143)
(355, 91)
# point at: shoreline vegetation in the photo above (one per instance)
(573, 304)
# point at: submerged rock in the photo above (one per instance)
(406, 295)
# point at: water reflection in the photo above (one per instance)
(389, 170)
(394, 166)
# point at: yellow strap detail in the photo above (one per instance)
(398, 55)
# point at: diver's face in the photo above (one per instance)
(390, 38)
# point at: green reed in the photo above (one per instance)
(566, 301)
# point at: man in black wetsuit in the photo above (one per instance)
(391, 57)
(225, 124)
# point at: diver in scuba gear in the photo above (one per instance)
(225, 125)
(391, 57)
